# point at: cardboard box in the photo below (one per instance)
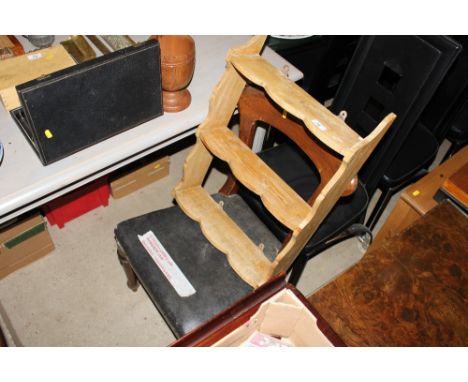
(23, 242)
(21, 69)
(282, 317)
(141, 174)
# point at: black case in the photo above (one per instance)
(79, 106)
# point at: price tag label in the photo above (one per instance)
(34, 56)
(166, 264)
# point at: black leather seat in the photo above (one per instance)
(217, 287)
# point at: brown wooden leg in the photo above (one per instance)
(230, 187)
(132, 281)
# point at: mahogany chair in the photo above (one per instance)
(218, 250)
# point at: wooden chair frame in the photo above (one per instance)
(214, 138)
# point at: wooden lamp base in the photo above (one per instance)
(175, 101)
(177, 66)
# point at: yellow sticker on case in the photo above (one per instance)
(48, 134)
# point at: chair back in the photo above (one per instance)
(391, 73)
(449, 96)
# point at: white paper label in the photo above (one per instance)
(319, 124)
(34, 56)
(166, 264)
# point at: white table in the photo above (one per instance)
(25, 183)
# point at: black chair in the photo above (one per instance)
(457, 133)
(386, 73)
(449, 96)
(398, 73)
(419, 148)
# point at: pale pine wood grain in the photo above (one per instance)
(243, 255)
(224, 99)
(330, 129)
(254, 106)
(330, 194)
(223, 102)
(195, 167)
(213, 138)
(280, 199)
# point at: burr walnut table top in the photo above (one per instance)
(411, 291)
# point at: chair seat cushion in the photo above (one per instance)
(217, 285)
(418, 152)
(300, 174)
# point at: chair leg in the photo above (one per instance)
(132, 280)
(387, 194)
(355, 229)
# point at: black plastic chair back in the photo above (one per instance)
(448, 99)
(391, 74)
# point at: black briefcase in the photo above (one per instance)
(79, 106)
